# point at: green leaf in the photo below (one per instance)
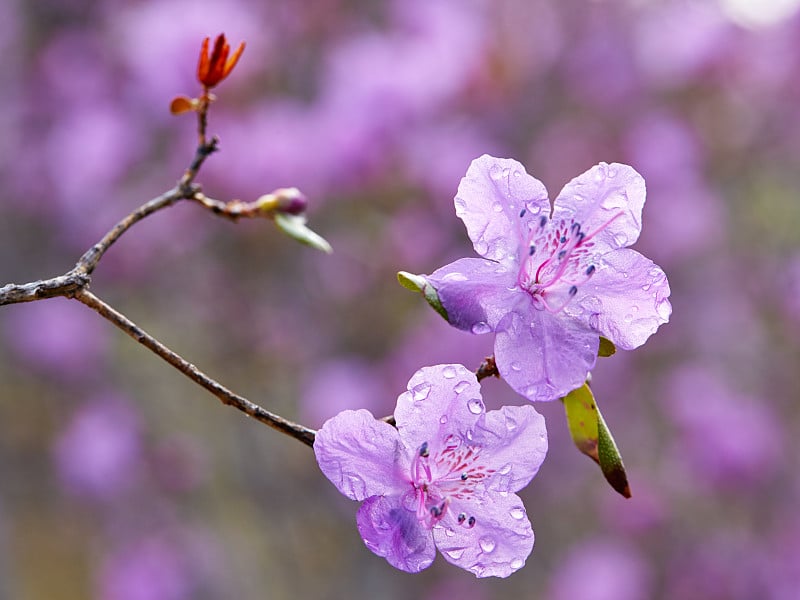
(611, 459)
(582, 420)
(591, 435)
(295, 226)
(418, 283)
(607, 347)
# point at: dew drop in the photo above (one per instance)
(470, 435)
(455, 554)
(663, 309)
(628, 318)
(517, 173)
(635, 308)
(517, 513)
(460, 386)
(620, 239)
(487, 544)
(517, 563)
(646, 287)
(449, 532)
(443, 419)
(515, 366)
(449, 372)
(481, 247)
(480, 328)
(475, 406)
(420, 391)
(356, 486)
(497, 207)
(454, 277)
(505, 469)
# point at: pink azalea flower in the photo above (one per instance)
(444, 478)
(550, 284)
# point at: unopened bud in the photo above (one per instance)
(290, 201)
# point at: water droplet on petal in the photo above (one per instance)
(517, 513)
(481, 247)
(449, 532)
(449, 372)
(443, 419)
(628, 318)
(517, 173)
(487, 544)
(475, 406)
(497, 207)
(505, 469)
(454, 277)
(634, 308)
(663, 308)
(515, 366)
(646, 287)
(517, 563)
(480, 328)
(455, 554)
(469, 434)
(420, 391)
(620, 239)
(355, 485)
(460, 386)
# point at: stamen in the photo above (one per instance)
(542, 222)
(590, 271)
(423, 450)
(532, 250)
(563, 239)
(522, 213)
(562, 254)
(464, 476)
(471, 522)
(461, 518)
(573, 290)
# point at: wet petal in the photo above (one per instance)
(513, 443)
(358, 454)
(498, 544)
(441, 401)
(626, 300)
(490, 200)
(607, 201)
(544, 356)
(476, 293)
(394, 533)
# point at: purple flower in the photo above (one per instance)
(444, 478)
(550, 284)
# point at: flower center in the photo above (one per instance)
(559, 261)
(454, 472)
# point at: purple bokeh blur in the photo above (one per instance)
(123, 481)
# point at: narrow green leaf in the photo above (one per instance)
(295, 226)
(591, 435)
(418, 283)
(582, 420)
(611, 459)
(607, 347)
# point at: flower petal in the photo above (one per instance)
(513, 443)
(607, 201)
(498, 544)
(626, 300)
(442, 400)
(476, 293)
(542, 355)
(358, 454)
(394, 533)
(490, 200)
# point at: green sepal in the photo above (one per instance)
(295, 226)
(418, 283)
(592, 437)
(607, 347)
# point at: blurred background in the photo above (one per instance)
(121, 480)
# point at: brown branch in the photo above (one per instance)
(75, 283)
(299, 432)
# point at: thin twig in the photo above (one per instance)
(299, 432)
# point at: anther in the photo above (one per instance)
(423, 450)
(532, 250)
(471, 522)
(542, 221)
(563, 239)
(522, 213)
(590, 270)
(573, 290)
(464, 476)
(462, 517)
(435, 511)
(562, 254)
(575, 227)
